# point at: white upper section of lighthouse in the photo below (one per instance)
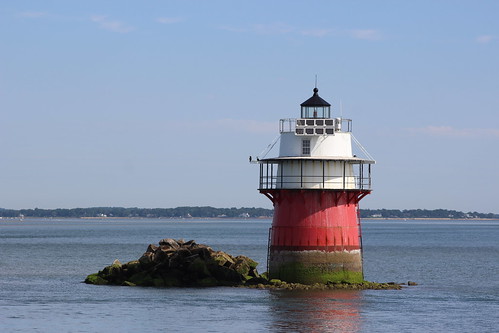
(315, 134)
(335, 144)
(316, 153)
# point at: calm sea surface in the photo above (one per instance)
(43, 262)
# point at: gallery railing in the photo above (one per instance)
(352, 175)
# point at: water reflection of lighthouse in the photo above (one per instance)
(315, 185)
(316, 311)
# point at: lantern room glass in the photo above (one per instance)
(320, 112)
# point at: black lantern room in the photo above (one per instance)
(315, 107)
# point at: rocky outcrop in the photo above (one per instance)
(175, 263)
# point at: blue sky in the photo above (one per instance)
(160, 103)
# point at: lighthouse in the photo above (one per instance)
(315, 185)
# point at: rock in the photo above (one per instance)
(225, 275)
(146, 259)
(172, 281)
(256, 280)
(178, 263)
(198, 268)
(208, 281)
(190, 243)
(95, 279)
(170, 242)
(253, 273)
(183, 252)
(241, 266)
(160, 256)
(151, 248)
(128, 284)
(131, 267)
(203, 252)
(411, 283)
(252, 264)
(158, 282)
(112, 274)
(223, 259)
(141, 279)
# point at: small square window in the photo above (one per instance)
(305, 145)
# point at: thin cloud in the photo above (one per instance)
(262, 29)
(272, 29)
(233, 29)
(484, 39)
(316, 32)
(366, 34)
(33, 14)
(449, 131)
(284, 29)
(169, 20)
(111, 25)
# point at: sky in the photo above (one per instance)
(160, 103)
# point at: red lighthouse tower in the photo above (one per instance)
(315, 185)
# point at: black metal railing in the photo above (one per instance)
(273, 176)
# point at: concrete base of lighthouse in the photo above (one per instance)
(315, 236)
(310, 267)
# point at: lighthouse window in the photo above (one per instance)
(305, 147)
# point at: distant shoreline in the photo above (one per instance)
(233, 212)
(431, 218)
(234, 218)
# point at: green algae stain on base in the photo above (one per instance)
(300, 273)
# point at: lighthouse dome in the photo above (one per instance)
(315, 107)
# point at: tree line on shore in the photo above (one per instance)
(424, 213)
(182, 212)
(212, 212)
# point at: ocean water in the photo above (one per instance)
(43, 264)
